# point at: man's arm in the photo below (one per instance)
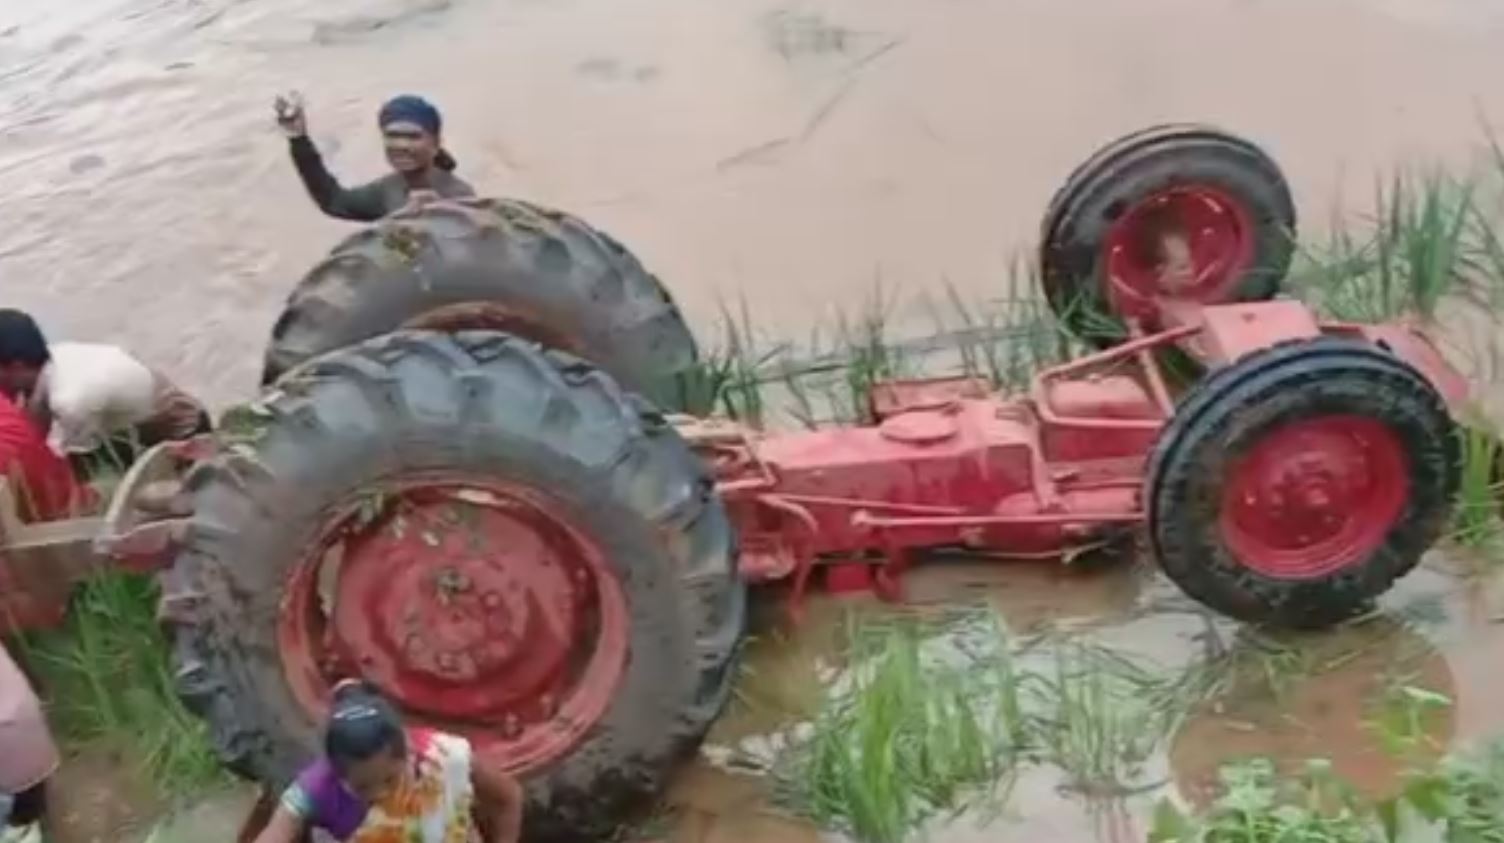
(498, 805)
(362, 204)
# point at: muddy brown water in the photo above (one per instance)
(794, 153)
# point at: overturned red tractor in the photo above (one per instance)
(476, 479)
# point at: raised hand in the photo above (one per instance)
(290, 115)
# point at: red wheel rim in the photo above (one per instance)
(475, 604)
(1314, 497)
(1191, 243)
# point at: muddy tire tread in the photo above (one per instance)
(572, 276)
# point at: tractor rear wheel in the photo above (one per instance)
(1296, 485)
(497, 536)
(496, 265)
(1175, 212)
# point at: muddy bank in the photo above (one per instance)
(793, 152)
(101, 796)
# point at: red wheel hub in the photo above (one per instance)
(1313, 497)
(477, 606)
(1187, 243)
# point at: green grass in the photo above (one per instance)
(1095, 717)
(1004, 340)
(907, 736)
(1478, 514)
(1424, 240)
(107, 680)
(935, 717)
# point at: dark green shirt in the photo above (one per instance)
(368, 202)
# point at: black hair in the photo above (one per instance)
(21, 340)
(362, 724)
(444, 161)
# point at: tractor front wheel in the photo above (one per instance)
(498, 537)
(1173, 213)
(1296, 485)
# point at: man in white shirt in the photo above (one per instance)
(88, 396)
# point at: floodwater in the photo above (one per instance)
(792, 152)
(1297, 699)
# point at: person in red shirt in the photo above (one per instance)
(42, 482)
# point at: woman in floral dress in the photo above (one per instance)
(380, 782)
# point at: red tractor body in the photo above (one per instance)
(1050, 473)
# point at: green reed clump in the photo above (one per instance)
(1426, 239)
(107, 679)
(906, 736)
(1007, 339)
(1097, 717)
(1478, 512)
(871, 356)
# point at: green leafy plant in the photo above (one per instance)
(107, 679)
(1460, 801)
(1255, 806)
(1403, 719)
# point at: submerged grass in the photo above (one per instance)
(1095, 717)
(906, 735)
(108, 681)
(934, 718)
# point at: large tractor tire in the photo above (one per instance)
(499, 265)
(1176, 212)
(500, 538)
(1294, 487)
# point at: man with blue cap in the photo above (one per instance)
(411, 131)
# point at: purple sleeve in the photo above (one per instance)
(323, 801)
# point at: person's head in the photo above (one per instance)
(23, 352)
(365, 740)
(413, 133)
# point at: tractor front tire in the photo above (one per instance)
(412, 406)
(1294, 487)
(1108, 202)
(503, 265)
